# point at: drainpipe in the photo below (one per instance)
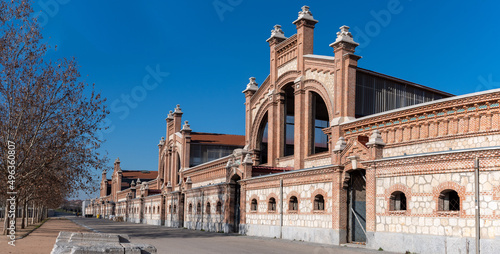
(171, 210)
(478, 220)
(281, 208)
(202, 202)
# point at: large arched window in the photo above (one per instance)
(319, 121)
(263, 139)
(289, 121)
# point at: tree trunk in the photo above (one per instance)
(23, 211)
(5, 219)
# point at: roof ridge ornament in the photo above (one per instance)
(252, 85)
(178, 109)
(305, 13)
(170, 115)
(186, 126)
(277, 33)
(345, 36)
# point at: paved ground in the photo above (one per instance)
(40, 241)
(184, 241)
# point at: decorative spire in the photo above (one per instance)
(345, 36)
(178, 109)
(185, 127)
(305, 13)
(117, 160)
(277, 33)
(132, 183)
(138, 180)
(170, 115)
(252, 86)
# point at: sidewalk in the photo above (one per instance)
(40, 241)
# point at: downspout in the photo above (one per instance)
(478, 218)
(201, 207)
(281, 208)
(171, 210)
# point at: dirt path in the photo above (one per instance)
(40, 241)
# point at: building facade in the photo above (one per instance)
(333, 153)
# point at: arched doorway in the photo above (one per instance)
(234, 204)
(356, 200)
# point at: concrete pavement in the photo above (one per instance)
(184, 241)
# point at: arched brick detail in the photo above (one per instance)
(317, 87)
(256, 124)
(436, 191)
(326, 198)
(402, 188)
(271, 195)
(285, 79)
(249, 202)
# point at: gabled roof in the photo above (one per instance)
(217, 139)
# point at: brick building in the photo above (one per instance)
(332, 153)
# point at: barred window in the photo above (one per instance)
(198, 208)
(272, 204)
(219, 207)
(253, 205)
(293, 204)
(208, 208)
(319, 202)
(449, 201)
(397, 201)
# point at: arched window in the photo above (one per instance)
(289, 121)
(218, 209)
(208, 208)
(190, 210)
(198, 208)
(175, 209)
(293, 205)
(271, 205)
(449, 201)
(170, 208)
(398, 201)
(253, 205)
(319, 202)
(263, 140)
(319, 121)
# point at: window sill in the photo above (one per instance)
(319, 211)
(399, 212)
(293, 211)
(449, 213)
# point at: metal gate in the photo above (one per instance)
(357, 207)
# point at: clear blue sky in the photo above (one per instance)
(209, 53)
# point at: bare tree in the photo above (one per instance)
(47, 111)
